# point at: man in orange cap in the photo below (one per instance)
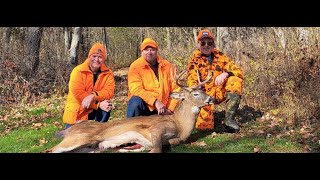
(150, 83)
(91, 86)
(226, 83)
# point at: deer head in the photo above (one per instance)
(192, 99)
(194, 95)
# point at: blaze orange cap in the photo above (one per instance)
(204, 33)
(98, 48)
(148, 42)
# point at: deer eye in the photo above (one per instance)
(196, 94)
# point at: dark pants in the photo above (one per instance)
(97, 115)
(137, 107)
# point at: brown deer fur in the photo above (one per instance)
(149, 131)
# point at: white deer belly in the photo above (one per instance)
(127, 137)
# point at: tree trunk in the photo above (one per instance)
(106, 42)
(139, 41)
(168, 38)
(195, 34)
(33, 45)
(67, 38)
(73, 51)
(303, 34)
(222, 37)
(6, 45)
(280, 35)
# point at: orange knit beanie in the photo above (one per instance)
(148, 42)
(98, 48)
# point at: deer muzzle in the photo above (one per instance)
(210, 100)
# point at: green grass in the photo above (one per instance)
(29, 140)
(36, 111)
(226, 143)
(120, 110)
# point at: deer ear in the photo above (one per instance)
(177, 95)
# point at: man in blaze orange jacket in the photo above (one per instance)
(91, 86)
(226, 83)
(150, 83)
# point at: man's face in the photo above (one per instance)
(150, 55)
(206, 45)
(95, 61)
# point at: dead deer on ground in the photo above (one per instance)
(149, 131)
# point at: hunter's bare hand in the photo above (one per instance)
(221, 79)
(167, 112)
(87, 101)
(160, 107)
(106, 105)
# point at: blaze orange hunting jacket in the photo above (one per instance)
(81, 85)
(143, 82)
(221, 63)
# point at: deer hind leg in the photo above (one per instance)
(157, 146)
(68, 144)
(156, 139)
(174, 141)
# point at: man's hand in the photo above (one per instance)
(160, 107)
(221, 79)
(167, 112)
(105, 105)
(87, 101)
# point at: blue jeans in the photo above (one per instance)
(97, 115)
(137, 107)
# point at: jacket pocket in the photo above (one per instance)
(70, 114)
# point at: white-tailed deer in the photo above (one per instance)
(149, 131)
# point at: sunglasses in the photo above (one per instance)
(208, 43)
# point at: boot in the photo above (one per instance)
(233, 101)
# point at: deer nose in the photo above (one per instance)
(210, 100)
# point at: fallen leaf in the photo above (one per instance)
(43, 141)
(257, 150)
(278, 136)
(5, 118)
(306, 136)
(268, 135)
(201, 144)
(291, 131)
(214, 134)
(36, 125)
(307, 147)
